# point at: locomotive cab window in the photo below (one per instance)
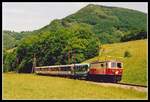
(113, 64)
(119, 65)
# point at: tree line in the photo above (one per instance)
(52, 47)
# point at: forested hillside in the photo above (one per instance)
(8, 41)
(12, 38)
(110, 24)
(51, 48)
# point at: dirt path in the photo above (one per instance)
(138, 88)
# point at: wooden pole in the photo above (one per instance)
(34, 63)
(69, 57)
(74, 56)
(17, 61)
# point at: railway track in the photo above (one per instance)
(141, 88)
(133, 85)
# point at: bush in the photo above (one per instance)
(127, 54)
(9, 61)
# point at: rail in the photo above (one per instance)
(133, 85)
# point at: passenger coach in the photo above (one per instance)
(72, 70)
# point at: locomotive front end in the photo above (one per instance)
(106, 71)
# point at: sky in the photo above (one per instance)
(28, 16)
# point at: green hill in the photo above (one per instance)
(135, 67)
(110, 24)
(12, 38)
(8, 41)
(81, 32)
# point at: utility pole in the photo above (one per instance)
(74, 56)
(99, 50)
(17, 64)
(34, 63)
(69, 57)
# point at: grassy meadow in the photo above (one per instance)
(135, 67)
(31, 86)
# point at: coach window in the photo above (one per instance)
(85, 66)
(65, 68)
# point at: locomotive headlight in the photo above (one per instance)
(116, 72)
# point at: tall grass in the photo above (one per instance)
(31, 86)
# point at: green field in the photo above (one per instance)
(31, 86)
(135, 67)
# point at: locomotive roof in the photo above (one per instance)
(106, 61)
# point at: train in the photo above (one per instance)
(110, 71)
(72, 70)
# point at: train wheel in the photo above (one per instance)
(90, 78)
(114, 79)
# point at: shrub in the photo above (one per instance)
(127, 54)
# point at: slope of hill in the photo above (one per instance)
(8, 41)
(110, 24)
(11, 38)
(135, 67)
(79, 31)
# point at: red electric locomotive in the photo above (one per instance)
(110, 71)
